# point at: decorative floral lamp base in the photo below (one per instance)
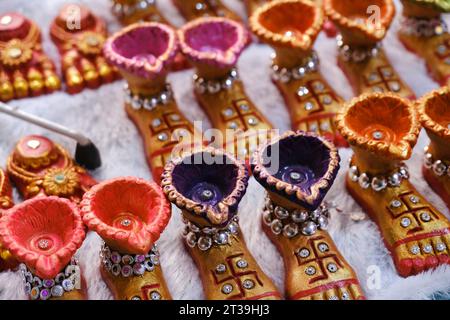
(414, 231)
(37, 166)
(208, 193)
(43, 233)
(295, 219)
(291, 27)
(24, 68)
(143, 54)
(361, 56)
(79, 36)
(129, 225)
(193, 9)
(435, 117)
(424, 32)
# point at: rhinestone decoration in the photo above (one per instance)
(206, 237)
(121, 10)
(156, 123)
(425, 217)
(252, 121)
(302, 91)
(163, 136)
(310, 271)
(286, 75)
(303, 253)
(242, 264)
(148, 103)
(332, 267)
(345, 296)
(227, 288)
(378, 183)
(323, 247)
(43, 289)
(155, 295)
(415, 250)
(202, 85)
(396, 204)
(248, 284)
(440, 246)
(127, 265)
(228, 112)
(405, 222)
(427, 248)
(353, 54)
(420, 27)
(414, 199)
(33, 144)
(394, 86)
(438, 167)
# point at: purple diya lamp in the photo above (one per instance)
(213, 46)
(143, 54)
(207, 186)
(297, 170)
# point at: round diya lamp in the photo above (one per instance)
(424, 32)
(291, 28)
(129, 214)
(382, 130)
(207, 186)
(38, 166)
(297, 169)
(43, 234)
(361, 56)
(213, 46)
(435, 118)
(6, 202)
(193, 9)
(143, 53)
(80, 36)
(24, 68)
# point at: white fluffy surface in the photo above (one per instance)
(100, 114)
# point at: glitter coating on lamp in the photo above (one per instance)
(143, 53)
(129, 214)
(44, 233)
(24, 68)
(79, 36)
(213, 46)
(297, 169)
(38, 166)
(382, 130)
(361, 56)
(207, 186)
(291, 28)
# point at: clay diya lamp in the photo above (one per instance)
(213, 46)
(79, 36)
(297, 169)
(193, 9)
(143, 54)
(291, 27)
(207, 186)
(43, 234)
(38, 166)
(132, 11)
(424, 32)
(361, 55)
(6, 202)
(435, 117)
(129, 214)
(24, 68)
(382, 130)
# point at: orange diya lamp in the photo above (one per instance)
(424, 32)
(291, 27)
(213, 46)
(297, 170)
(43, 234)
(79, 36)
(207, 186)
(361, 56)
(193, 9)
(382, 130)
(24, 68)
(38, 166)
(143, 53)
(434, 115)
(129, 214)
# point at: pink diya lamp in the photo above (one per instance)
(24, 68)
(382, 129)
(213, 46)
(434, 115)
(361, 56)
(143, 54)
(6, 202)
(44, 233)
(291, 28)
(129, 214)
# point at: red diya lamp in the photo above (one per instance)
(44, 233)
(143, 54)
(24, 68)
(361, 56)
(80, 36)
(129, 214)
(435, 118)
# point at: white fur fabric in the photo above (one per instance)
(100, 114)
